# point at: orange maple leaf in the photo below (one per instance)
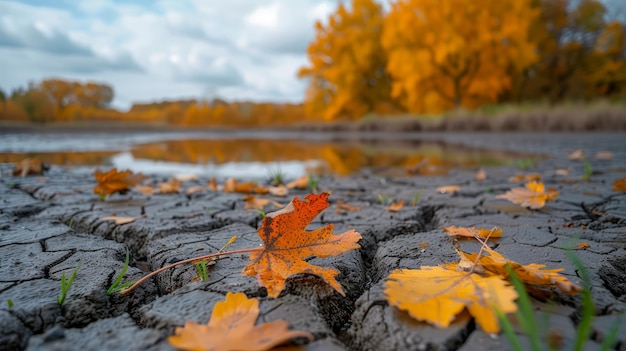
(254, 203)
(395, 206)
(520, 178)
(171, 186)
(472, 232)
(299, 183)
(533, 273)
(620, 185)
(113, 181)
(437, 295)
(343, 207)
(231, 327)
(231, 185)
(287, 244)
(532, 196)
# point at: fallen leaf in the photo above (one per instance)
(195, 189)
(620, 185)
(576, 155)
(521, 178)
(299, 183)
(280, 190)
(113, 181)
(231, 185)
(169, 187)
(185, 177)
(145, 189)
(582, 245)
(231, 327)
(533, 273)
(212, 184)
(343, 207)
(255, 203)
(287, 245)
(448, 189)
(424, 244)
(437, 295)
(395, 206)
(562, 172)
(532, 196)
(481, 175)
(29, 166)
(604, 155)
(119, 220)
(472, 232)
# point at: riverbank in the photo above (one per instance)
(51, 224)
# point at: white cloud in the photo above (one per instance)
(166, 49)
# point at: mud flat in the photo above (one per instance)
(52, 224)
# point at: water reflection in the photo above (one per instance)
(253, 157)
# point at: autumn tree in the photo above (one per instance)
(347, 64)
(451, 53)
(566, 36)
(608, 78)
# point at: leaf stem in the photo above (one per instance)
(189, 260)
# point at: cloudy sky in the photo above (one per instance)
(153, 50)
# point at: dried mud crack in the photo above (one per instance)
(50, 227)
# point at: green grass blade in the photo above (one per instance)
(525, 314)
(115, 287)
(509, 332)
(588, 309)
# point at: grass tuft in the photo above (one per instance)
(67, 284)
(117, 285)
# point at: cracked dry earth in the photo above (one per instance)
(48, 225)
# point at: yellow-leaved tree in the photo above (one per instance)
(444, 54)
(347, 64)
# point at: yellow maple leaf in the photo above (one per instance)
(437, 295)
(113, 181)
(533, 273)
(533, 196)
(231, 327)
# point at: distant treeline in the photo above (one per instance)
(420, 58)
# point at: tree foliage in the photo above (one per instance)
(347, 64)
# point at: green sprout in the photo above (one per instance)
(276, 175)
(10, 303)
(313, 183)
(67, 284)
(416, 198)
(385, 200)
(117, 286)
(202, 270)
(588, 171)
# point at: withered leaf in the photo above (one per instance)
(287, 245)
(533, 196)
(473, 232)
(119, 220)
(113, 181)
(231, 327)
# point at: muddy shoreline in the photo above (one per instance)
(49, 224)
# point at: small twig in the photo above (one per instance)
(189, 260)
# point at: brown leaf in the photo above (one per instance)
(195, 189)
(604, 155)
(280, 190)
(481, 175)
(620, 185)
(169, 187)
(212, 184)
(521, 178)
(231, 327)
(343, 207)
(472, 232)
(395, 206)
(113, 181)
(119, 220)
(582, 245)
(145, 189)
(450, 189)
(532, 196)
(255, 203)
(299, 183)
(578, 155)
(287, 245)
(29, 166)
(185, 177)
